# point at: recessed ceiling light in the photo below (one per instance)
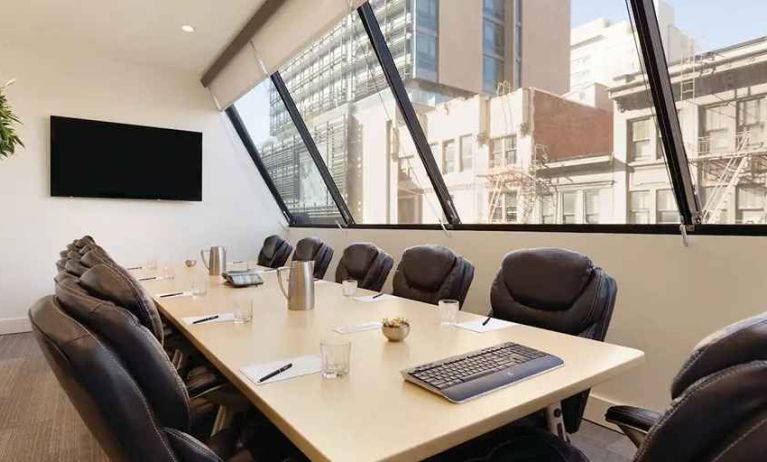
(187, 28)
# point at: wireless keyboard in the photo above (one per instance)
(470, 375)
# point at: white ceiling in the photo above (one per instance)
(147, 31)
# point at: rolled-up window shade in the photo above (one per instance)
(288, 30)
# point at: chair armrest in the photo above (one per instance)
(635, 422)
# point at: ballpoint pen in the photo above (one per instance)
(489, 317)
(378, 295)
(278, 371)
(171, 294)
(209, 318)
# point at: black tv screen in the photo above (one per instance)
(104, 159)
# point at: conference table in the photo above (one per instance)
(372, 413)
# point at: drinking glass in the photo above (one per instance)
(349, 287)
(199, 287)
(243, 312)
(448, 312)
(152, 264)
(335, 354)
(167, 272)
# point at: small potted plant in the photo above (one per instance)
(9, 140)
(395, 329)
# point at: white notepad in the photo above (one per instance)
(222, 317)
(302, 365)
(493, 324)
(175, 294)
(374, 298)
(358, 327)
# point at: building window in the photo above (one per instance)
(496, 152)
(639, 134)
(467, 153)
(493, 44)
(715, 130)
(448, 157)
(751, 203)
(425, 43)
(510, 149)
(548, 209)
(568, 207)
(591, 200)
(639, 213)
(665, 205)
(751, 117)
(504, 208)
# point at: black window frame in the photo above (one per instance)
(669, 134)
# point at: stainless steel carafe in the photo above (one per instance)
(300, 293)
(217, 264)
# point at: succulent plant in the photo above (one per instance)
(395, 322)
(9, 139)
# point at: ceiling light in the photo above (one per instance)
(187, 28)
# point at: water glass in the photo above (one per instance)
(335, 354)
(200, 287)
(349, 287)
(448, 312)
(152, 264)
(167, 272)
(243, 312)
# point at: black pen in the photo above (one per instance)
(209, 318)
(376, 296)
(489, 317)
(152, 278)
(135, 268)
(278, 371)
(171, 295)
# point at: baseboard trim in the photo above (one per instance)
(14, 325)
(596, 408)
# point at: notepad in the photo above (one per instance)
(175, 294)
(493, 324)
(222, 317)
(358, 327)
(374, 298)
(302, 365)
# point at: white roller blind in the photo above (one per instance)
(291, 28)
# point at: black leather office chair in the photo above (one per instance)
(365, 263)
(430, 273)
(314, 249)
(275, 252)
(558, 290)
(111, 402)
(718, 412)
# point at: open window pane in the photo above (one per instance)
(342, 95)
(544, 120)
(717, 54)
(285, 156)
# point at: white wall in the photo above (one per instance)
(237, 209)
(669, 296)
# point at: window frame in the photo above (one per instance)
(668, 131)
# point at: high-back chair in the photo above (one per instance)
(558, 290)
(275, 252)
(365, 263)
(105, 394)
(430, 273)
(314, 249)
(718, 412)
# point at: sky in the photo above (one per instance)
(712, 23)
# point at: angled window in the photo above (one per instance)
(285, 156)
(342, 95)
(716, 59)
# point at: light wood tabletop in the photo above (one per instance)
(373, 413)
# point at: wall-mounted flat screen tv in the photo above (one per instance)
(104, 159)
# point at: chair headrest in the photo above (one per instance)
(96, 256)
(73, 266)
(427, 266)
(271, 244)
(738, 343)
(563, 273)
(358, 257)
(112, 283)
(307, 248)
